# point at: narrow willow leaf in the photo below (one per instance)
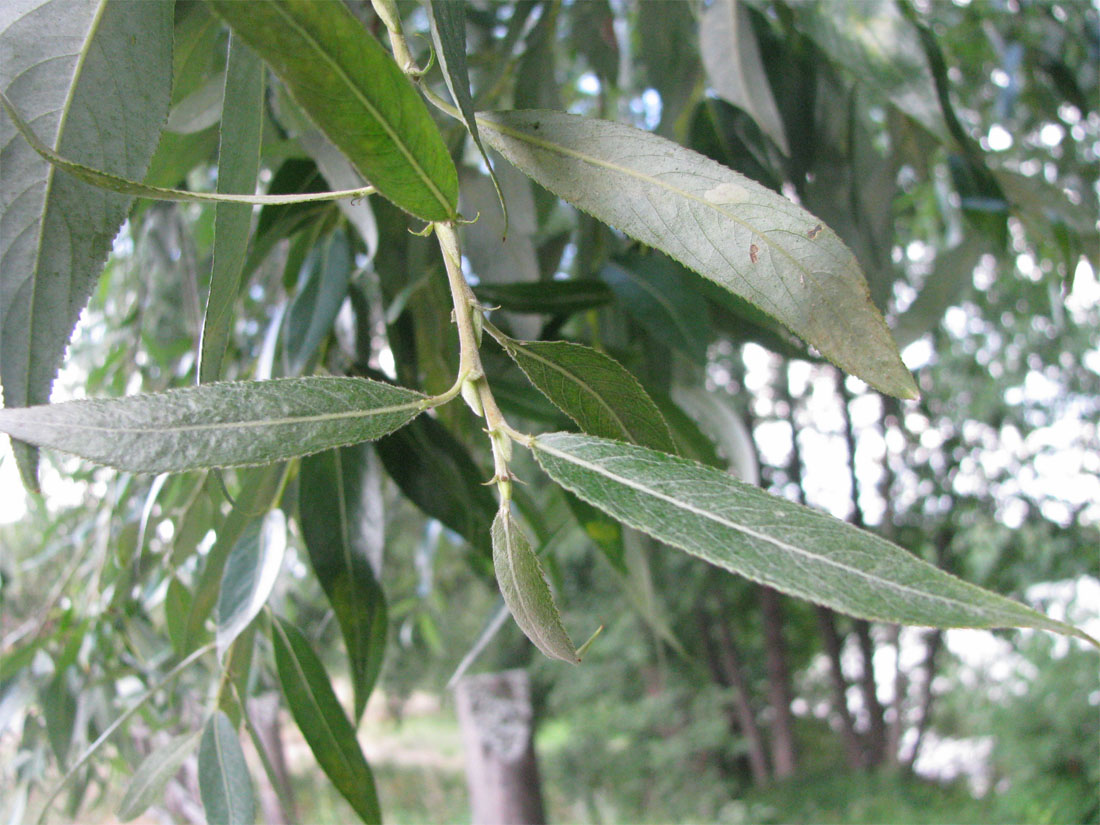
(249, 577)
(95, 79)
(773, 541)
(526, 592)
(322, 721)
(331, 511)
(731, 57)
(448, 24)
(277, 223)
(322, 289)
(545, 297)
(218, 425)
(352, 89)
(154, 772)
(656, 291)
(951, 276)
(124, 186)
(594, 390)
(238, 166)
(224, 782)
(748, 239)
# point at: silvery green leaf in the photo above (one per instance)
(741, 235)
(217, 425)
(249, 577)
(150, 777)
(94, 79)
(224, 782)
(776, 542)
(731, 57)
(526, 592)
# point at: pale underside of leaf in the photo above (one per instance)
(526, 592)
(792, 548)
(723, 225)
(224, 781)
(153, 774)
(218, 425)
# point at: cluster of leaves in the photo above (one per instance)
(307, 94)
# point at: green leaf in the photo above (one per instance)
(309, 320)
(278, 222)
(148, 781)
(784, 545)
(657, 293)
(546, 297)
(322, 721)
(593, 389)
(352, 89)
(238, 166)
(448, 24)
(330, 510)
(177, 606)
(249, 576)
(95, 79)
(526, 592)
(741, 235)
(731, 56)
(951, 277)
(224, 782)
(435, 471)
(218, 425)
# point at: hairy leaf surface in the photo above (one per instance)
(218, 425)
(94, 79)
(526, 592)
(748, 239)
(356, 94)
(773, 541)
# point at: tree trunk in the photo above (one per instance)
(876, 731)
(853, 751)
(494, 711)
(934, 643)
(729, 672)
(779, 684)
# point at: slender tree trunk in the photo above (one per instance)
(779, 684)
(876, 732)
(497, 720)
(932, 649)
(853, 750)
(725, 662)
(901, 691)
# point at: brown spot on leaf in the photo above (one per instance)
(754, 253)
(815, 232)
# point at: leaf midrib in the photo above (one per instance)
(393, 135)
(625, 170)
(748, 531)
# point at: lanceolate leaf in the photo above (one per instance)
(792, 548)
(94, 77)
(743, 236)
(546, 297)
(218, 425)
(224, 781)
(322, 721)
(322, 288)
(249, 576)
(330, 509)
(356, 94)
(594, 390)
(152, 775)
(526, 592)
(238, 165)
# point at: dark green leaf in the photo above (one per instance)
(657, 292)
(95, 81)
(792, 548)
(224, 781)
(148, 781)
(275, 223)
(593, 389)
(238, 166)
(219, 425)
(326, 274)
(249, 576)
(726, 227)
(322, 721)
(356, 94)
(526, 592)
(331, 512)
(545, 297)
